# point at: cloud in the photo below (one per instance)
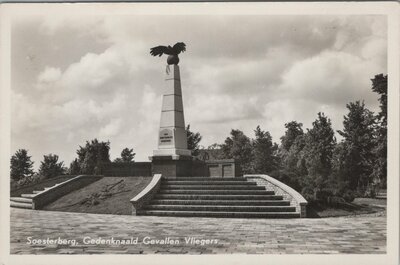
(111, 129)
(331, 78)
(49, 75)
(93, 76)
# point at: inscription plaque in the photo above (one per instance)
(166, 137)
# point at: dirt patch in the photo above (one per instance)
(109, 195)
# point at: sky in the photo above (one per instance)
(74, 80)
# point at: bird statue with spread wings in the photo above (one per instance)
(172, 52)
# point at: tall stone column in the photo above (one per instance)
(172, 139)
(172, 158)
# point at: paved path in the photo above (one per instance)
(362, 234)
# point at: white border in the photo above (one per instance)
(391, 9)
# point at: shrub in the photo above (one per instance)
(289, 178)
(35, 178)
(371, 191)
(349, 195)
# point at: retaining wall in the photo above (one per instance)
(47, 196)
(295, 198)
(16, 192)
(146, 195)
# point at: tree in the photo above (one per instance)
(239, 147)
(50, 167)
(21, 165)
(379, 85)
(292, 144)
(320, 142)
(294, 161)
(193, 140)
(92, 156)
(264, 152)
(74, 168)
(293, 130)
(127, 155)
(339, 180)
(358, 146)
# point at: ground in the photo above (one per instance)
(363, 234)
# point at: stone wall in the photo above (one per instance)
(289, 194)
(146, 195)
(45, 197)
(183, 167)
(135, 169)
(228, 168)
(199, 168)
(39, 185)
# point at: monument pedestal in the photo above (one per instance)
(172, 166)
(172, 158)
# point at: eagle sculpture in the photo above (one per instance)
(172, 52)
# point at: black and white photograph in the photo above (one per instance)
(208, 132)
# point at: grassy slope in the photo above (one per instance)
(94, 199)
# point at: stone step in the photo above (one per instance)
(220, 208)
(222, 202)
(159, 196)
(204, 179)
(221, 214)
(187, 182)
(28, 195)
(21, 205)
(218, 192)
(211, 187)
(20, 199)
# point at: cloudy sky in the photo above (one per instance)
(78, 79)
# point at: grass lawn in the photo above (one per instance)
(109, 195)
(357, 207)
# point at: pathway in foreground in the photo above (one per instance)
(262, 236)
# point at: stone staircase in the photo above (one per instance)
(25, 200)
(217, 197)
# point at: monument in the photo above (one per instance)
(172, 158)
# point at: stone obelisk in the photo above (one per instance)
(172, 139)
(172, 158)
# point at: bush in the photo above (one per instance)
(308, 194)
(371, 191)
(35, 178)
(289, 178)
(349, 195)
(323, 195)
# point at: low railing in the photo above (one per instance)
(146, 195)
(53, 193)
(288, 193)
